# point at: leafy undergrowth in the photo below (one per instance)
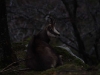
(66, 69)
(71, 66)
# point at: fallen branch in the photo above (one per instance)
(25, 69)
(10, 65)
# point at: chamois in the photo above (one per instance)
(40, 55)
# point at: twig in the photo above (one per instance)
(8, 66)
(4, 69)
(25, 69)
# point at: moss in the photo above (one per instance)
(66, 56)
(31, 73)
(51, 71)
(20, 45)
(9, 73)
(70, 63)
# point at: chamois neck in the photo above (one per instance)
(42, 35)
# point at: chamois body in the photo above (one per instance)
(40, 55)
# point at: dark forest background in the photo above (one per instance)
(78, 21)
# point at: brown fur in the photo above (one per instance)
(40, 55)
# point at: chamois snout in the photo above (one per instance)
(52, 31)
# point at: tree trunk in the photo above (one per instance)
(7, 55)
(72, 15)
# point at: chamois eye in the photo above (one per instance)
(50, 28)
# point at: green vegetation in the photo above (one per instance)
(71, 66)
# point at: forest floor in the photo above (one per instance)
(71, 66)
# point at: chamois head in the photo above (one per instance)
(51, 30)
